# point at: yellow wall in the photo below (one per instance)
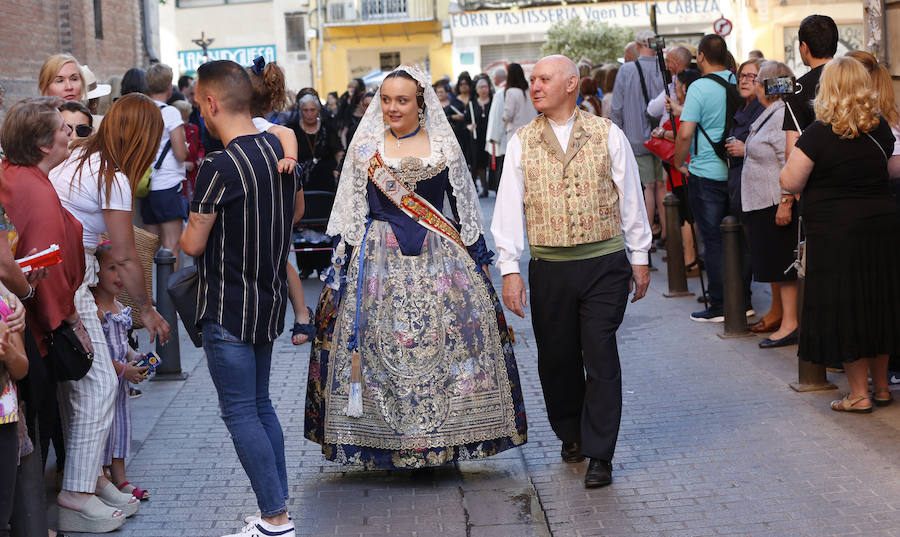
(348, 46)
(763, 29)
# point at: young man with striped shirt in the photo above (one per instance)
(240, 227)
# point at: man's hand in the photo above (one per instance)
(514, 297)
(156, 325)
(640, 281)
(783, 214)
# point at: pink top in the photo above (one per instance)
(9, 399)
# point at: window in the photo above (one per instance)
(389, 60)
(98, 19)
(383, 9)
(295, 30)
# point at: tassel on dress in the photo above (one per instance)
(354, 404)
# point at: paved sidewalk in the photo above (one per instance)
(713, 442)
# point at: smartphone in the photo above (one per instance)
(657, 43)
(730, 139)
(782, 85)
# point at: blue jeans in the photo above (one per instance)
(240, 372)
(709, 203)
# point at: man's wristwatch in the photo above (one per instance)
(29, 295)
(787, 199)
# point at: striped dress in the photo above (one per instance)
(115, 328)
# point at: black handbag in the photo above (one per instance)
(67, 357)
(184, 289)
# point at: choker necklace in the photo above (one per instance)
(410, 135)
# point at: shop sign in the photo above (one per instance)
(540, 19)
(189, 60)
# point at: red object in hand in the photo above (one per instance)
(493, 157)
(49, 257)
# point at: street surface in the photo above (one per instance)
(713, 442)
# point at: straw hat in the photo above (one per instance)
(146, 244)
(94, 90)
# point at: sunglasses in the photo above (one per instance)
(82, 131)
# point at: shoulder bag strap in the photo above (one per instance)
(874, 141)
(166, 148)
(643, 82)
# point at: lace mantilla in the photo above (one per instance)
(348, 217)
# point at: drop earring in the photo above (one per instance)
(422, 118)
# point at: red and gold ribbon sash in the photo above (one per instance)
(412, 204)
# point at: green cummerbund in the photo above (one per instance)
(580, 251)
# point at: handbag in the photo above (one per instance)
(67, 357)
(184, 289)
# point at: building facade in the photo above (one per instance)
(106, 35)
(239, 30)
(365, 38)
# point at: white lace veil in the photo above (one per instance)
(348, 216)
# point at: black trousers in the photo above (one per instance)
(577, 307)
(9, 450)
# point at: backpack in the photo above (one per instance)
(733, 101)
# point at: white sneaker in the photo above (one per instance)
(256, 528)
(256, 517)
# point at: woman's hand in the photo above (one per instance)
(83, 337)
(783, 214)
(735, 148)
(658, 132)
(134, 374)
(484, 268)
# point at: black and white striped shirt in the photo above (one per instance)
(242, 272)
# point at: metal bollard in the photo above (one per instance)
(675, 250)
(732, 280)
(170, 353)
(810, 377)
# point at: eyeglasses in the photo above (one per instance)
(82, 131)
(749, 76)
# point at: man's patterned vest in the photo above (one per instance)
(570, 197)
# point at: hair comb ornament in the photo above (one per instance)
(259, 65)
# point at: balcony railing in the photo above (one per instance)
(355, 12)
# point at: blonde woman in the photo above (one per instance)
(851, 309)
(61, 77)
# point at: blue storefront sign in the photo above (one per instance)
(189, 60)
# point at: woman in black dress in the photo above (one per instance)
(851, 308)
(476, 118)
(318, 154)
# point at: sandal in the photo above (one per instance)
(882, 401)
(126, 502)
(137, 492)
(849, 405)
(93, 517)
(308, 329)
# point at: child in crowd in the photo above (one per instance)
(13, 366)
(268, 95)
(116, 321)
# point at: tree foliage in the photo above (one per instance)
(594, 40)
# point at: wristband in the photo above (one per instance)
(291, 158)
(28, 295)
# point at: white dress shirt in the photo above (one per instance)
(508, 225)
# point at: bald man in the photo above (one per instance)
(631, 52)
(583, 209)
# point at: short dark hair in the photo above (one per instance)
(29, 125)
(688, 77)
(134, 81)
(714, 48)
(229, 82)
(184, 81)
(820, 34)
(76, 106)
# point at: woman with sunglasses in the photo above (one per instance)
(78, 118)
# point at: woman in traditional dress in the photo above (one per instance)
(412, 364)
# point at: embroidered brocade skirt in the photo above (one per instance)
(439, 377)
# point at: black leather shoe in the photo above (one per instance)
(791, 339)
(599, 474)
(571, 452)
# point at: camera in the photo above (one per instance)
(782, 85)
(657, 43)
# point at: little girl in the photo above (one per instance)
(269, 94)
(116, 321)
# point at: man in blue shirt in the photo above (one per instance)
(705, 110)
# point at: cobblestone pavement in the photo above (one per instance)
(713, 442)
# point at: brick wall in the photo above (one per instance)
(32, 31)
